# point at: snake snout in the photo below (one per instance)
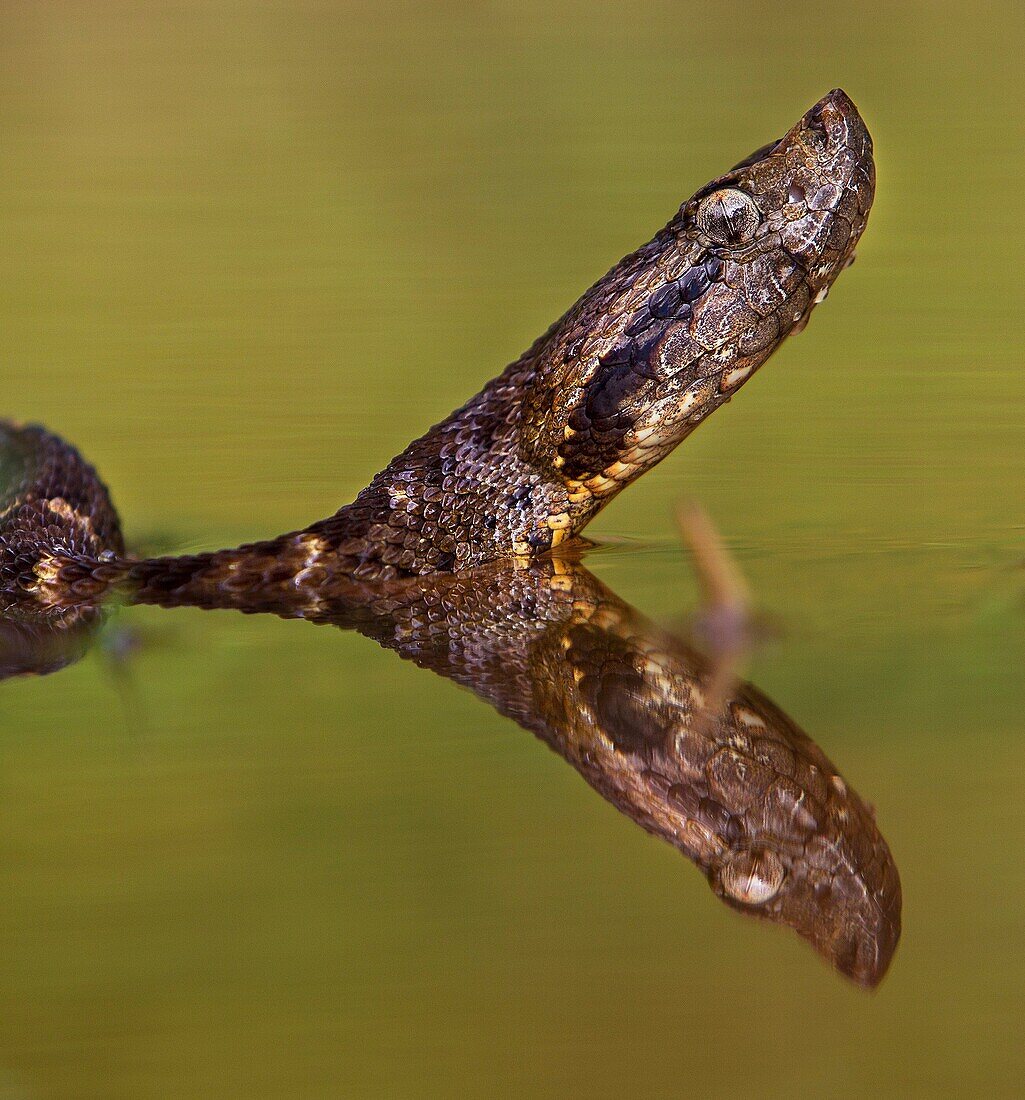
(839, 122)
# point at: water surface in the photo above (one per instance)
(248, 254)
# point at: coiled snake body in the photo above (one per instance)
(445, 556)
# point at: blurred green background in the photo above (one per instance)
(248, 251)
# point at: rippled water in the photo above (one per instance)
(247, 255)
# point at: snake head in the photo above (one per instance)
(803, 200)
(676, 328)
(836, 885)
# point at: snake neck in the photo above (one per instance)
(468, 491)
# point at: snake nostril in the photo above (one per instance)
(816, 121)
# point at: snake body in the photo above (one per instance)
(446, 556)
(652, 349)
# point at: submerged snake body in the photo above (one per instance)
(654, 347)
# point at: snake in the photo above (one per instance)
(463, 554)
(647, 354)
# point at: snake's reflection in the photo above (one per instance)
(730, 781)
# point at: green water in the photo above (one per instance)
(249, 250)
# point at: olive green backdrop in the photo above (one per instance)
(248, 251)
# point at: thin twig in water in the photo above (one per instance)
(724, 621)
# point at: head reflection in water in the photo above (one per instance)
(737, 788)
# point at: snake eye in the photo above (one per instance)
(752, 877)
(728, 216)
